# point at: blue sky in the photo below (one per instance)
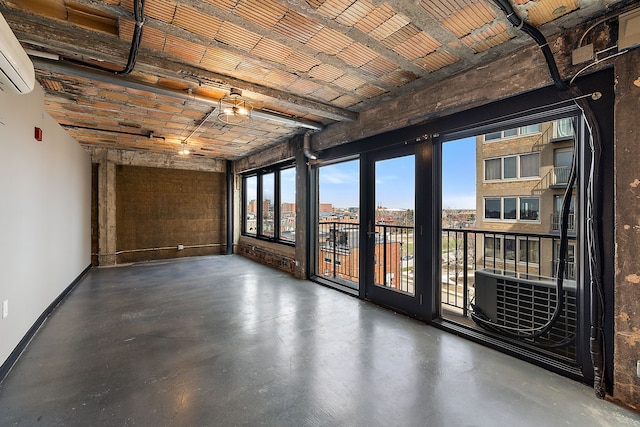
(395, 182)
(459, 174)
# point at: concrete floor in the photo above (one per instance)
(224, 341)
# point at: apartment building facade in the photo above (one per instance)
(522, 175)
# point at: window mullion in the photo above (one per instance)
(276, 206)
(259, 205)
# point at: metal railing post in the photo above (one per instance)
(335, 244)
(465, 284)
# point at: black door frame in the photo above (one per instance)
(406, 303)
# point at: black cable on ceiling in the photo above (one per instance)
(138, 11)
(537, 36)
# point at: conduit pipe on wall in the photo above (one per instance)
(63, 67)
(306, 145)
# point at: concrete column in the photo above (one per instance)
(106, 212)
(302, 212)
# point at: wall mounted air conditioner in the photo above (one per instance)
(527, 301)
(16, 70)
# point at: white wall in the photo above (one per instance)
(45, 213)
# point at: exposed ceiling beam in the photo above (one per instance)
(72, 41)
(102, 76)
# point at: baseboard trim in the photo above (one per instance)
(24, 342)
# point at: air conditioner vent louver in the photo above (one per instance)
(529, 306)
(526, 302)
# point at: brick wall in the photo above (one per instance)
(274, 255)
(158, 208)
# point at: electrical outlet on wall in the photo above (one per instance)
(5, 308)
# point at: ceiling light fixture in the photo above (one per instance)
(184, 151)
(233, 109)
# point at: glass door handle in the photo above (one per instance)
(370, 233)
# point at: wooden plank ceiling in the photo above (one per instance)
(318, 61)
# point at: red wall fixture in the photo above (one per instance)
(38, 134)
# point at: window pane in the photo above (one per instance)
(563, 158)
(529, 208)
(511, 132)
(510, 167)
(510, 249)
(251, 211)
(268, 185)
(529, 251)
(492, 136)
(525, 130)
(492, 169)
(492, 208)
(288, 204)
(510, 207)
(530, 165)
(492, 247)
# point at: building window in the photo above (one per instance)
(563, 128)
(529, 251)
(512, 208)
(269, 204)
(250, 206)
(511, 133)
(529, 165)
(492, 247)
(492, 208)
(510, 249)
(510, 167)
(527, 130)
(521, 166)
(529, 209)
(288, 204)
(492, 169)
(506, 248)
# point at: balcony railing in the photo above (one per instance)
(338, 252)
(465, 251)
(394, 256)
(555, 222)
(569, 269)
(561, 175)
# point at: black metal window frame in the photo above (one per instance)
(259, 174)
